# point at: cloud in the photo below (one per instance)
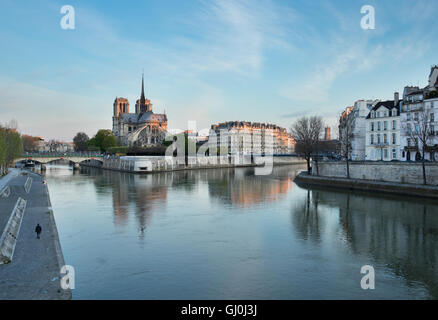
(221, 36)
(349, 55)
(49, 113)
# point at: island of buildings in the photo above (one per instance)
(243, 138)
(144, 128)
(382, 130)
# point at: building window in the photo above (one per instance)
(372, 139)
(372, 126)
(378, 139)
(378, 126)
(385, 138)
(394, 124)
(409, 116)
(394, 139)
(394, 112)
(385, 153)
(416, 116)
(394, 154)
(385, 125)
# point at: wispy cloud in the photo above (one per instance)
(212, 60)
(41, 111)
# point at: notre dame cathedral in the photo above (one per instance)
(143, 128)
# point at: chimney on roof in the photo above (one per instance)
(396, 99)
(327, 136)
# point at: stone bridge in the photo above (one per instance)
(76, 160)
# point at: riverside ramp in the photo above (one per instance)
(33, 272)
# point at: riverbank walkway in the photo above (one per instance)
(34, 271)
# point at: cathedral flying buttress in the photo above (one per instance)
(143, 128)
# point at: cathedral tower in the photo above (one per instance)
(121, 105)
(143, 105)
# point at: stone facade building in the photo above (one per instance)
(415, 100)
(244, 138)
(143, 128)
(383, 131)
(356, 117)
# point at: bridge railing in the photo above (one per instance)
(62, 154)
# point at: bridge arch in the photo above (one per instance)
(72, 160)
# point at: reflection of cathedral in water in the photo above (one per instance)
(400, 234)
(143, 195)
(146, 195)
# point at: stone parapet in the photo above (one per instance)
(398, 172)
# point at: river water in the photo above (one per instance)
(229, 234)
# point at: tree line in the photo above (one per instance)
(102, 141)
(11, 147)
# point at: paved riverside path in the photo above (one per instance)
(34, 272)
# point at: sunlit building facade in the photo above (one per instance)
(242, 137)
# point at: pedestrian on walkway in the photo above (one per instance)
(38, 230)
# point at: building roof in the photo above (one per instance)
(143, 117)
(432, 69)
(389, 104)
(414, 92)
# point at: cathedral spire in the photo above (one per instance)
(142, 98)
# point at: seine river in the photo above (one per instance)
(228, 234)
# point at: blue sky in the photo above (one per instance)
(209, 61)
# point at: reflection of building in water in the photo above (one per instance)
(242, 187)
(400, 234)
(142, 194)
(147, 194)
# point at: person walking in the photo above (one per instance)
(38, 230)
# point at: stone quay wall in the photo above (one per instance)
(398, 172)
(145, 164)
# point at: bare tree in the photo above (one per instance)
(30, 144)
(307, 132)
(421, 134)
(346, 135)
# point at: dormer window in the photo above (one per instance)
(394, 112)
(372, 114)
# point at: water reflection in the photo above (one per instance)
(146, 194)
(399, 234)
(243, 188)
(226, 233)
(306, 219)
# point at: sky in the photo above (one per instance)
(207, 61)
